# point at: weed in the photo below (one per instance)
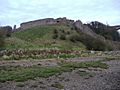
(34, 86)
(111, 58)
(57, 85)
(20, 84)
(94, 64)
(85, 74)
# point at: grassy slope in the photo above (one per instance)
(15, 43)
(42, 37)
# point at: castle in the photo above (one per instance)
(50, 21)
(85, 28)
(47, 21)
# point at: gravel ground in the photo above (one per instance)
(46, 62)
(96, 79)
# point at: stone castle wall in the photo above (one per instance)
(47, 21)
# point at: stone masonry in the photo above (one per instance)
(47, 21)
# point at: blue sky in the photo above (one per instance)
(17, 11)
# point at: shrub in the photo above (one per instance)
(74, 38)
(62, 30)
(55, 36)
(62, 37)
(68, 32)
(55, 31)
(57, 85)
(2, 37)
(7, 30)
(90, 42)
(72, 28)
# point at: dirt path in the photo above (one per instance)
(96, 79)
(46, 62)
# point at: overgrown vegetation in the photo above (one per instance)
(90, 42)
(38, 54)
(26, 54)
(106, 31)
(17, 73)
(1, 39)
(4, 32)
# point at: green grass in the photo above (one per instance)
(17, 73)
(20, 84)
(94, 64)
(15, 43)
(85, 74)
(25, 73)
(111, 58)
(42, 37)
(57, 85)
(35, 33)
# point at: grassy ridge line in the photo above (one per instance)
(17, 73)
(42, 37)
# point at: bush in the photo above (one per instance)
(62, 37)
(90, 42)
(68, 32)
(55, 36)
(62, 30)
(2, 37)
(72, 28)
(55, 31)
(7, 30)
(74, 38)
(93, 43)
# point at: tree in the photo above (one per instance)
(4, 32)
(7, 30)
(2, 37)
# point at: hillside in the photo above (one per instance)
(63, 34)
(49, 36)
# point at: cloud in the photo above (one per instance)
(18, 11)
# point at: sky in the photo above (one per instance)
(14, 12)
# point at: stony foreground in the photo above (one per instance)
(79, 79)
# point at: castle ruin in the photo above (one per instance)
(47, 21)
